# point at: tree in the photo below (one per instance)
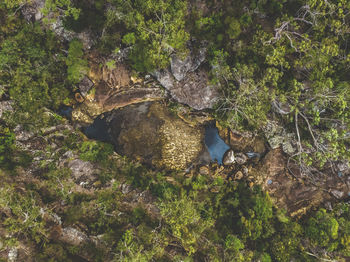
(155, 29)
(32, 70)
(77, 65)
(183, 215)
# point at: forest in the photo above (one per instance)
(107, 112)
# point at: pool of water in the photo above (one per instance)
(65, 111)
(98, 130)
(214, 143)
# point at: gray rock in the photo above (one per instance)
(187, 83)
(277, 136)
(165, 78)
(5, 106)
(337, 194)
(179, 67)
(73, 236)
(12, 255)
(81, 170)
(85, 86)
(241, 158)
(32, 11)
(21, 134)
(194, 90)
(229, 158)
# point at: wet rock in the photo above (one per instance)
(85, 86)
(150, 133)
(86, 112)
(229, 158)
(241, 158)
(5, 106)
(242, 141)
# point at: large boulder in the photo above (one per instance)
(150, 133)
(187, 81)
(5, 106)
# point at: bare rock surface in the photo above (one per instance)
(187, 81)
(290, 191)
(114, 88)
(5, 106)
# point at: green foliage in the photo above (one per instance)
(95, 151)
(7, 146)
(32, 74)
(11, 4)
(87, 15)
(58, 6)
(26, 219)
(184, 216)
(233, 27)
(154, 28)
(330, 230)
(77, 65)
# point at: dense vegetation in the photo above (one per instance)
(282, 60)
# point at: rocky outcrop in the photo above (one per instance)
(5, 106)
(242, 141)
(32, 11)
(289, 190)
(113, 88)
(150, 133)
(187, 81)
(277, 136)
(180, 67)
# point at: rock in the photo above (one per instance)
(73, 236)
(32, 11)
(229, 157)
(82, 171)
(277, 136)
(179, 67)
(58, 28)
(241, 158)
(238, 175)
(5, 106)
(188, 82)
(114, 89)
(85, 86)
(150, 133)
(344, 168)
(13, 254)
(194, 90)
(337, 194)
(165, 78)
(21, 134)
(204, 170)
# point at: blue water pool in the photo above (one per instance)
(215, 145)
